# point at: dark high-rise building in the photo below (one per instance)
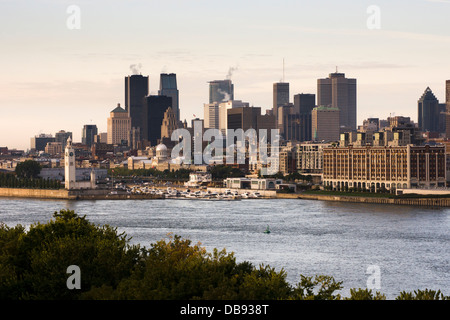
(88, 133)
(337, 91)
(250, 118)
(154, 108)
(221, 91)
(447, 115)
(428, 111)
(39, 142)
(62, 136)
(280, 96)
(304, 103)
(442, 117)
(136, 88)
(243, 118)
(168, 88)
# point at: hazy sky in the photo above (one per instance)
(54, 77)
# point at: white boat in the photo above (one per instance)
(255, 195)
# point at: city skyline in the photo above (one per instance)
(56, 79)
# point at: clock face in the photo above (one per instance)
(71, 154)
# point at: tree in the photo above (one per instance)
(175, 269)
(422, 295)
(28, 169)
(220, 172)
(320, 288)
(365, 294)
(33, 264)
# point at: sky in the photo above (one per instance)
(63, 63)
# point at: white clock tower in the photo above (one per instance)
(70, 171)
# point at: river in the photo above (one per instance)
(408, 245)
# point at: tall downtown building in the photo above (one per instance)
(136, 88)
(246, 117)
(428, 111)
(153, 111)
(294, 120)
(119, 126)
(324, 126)
(88, 133)
(337, 91)
(304, 103)
(211, 115)
(447, 102)
(280, 96)
(62, 136)
(221, 91)
(168, 88)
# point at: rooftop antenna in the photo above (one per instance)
(336, 69)
(283, 69)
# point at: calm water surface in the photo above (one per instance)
(410, 245)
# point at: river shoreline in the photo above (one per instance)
(103, 194)
(418, 201)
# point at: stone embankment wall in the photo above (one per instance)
(70, 195)
(34, 193)
(428, 202)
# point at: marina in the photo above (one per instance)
(174, 193)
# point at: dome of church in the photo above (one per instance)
(161, 147)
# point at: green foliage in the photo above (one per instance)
(320, 288)
(365, 294)
(10, 180)
(298, 176)
(178, 270)
(264, 283)
(28, 169)
(422, 295)
(221, 172)
(33, 264)
(180, 174)
(278, 175)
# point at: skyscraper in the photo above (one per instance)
(442, 117)
(221, 91)
(447, 102)
(324, 123)
(289, 123)
(243, 118)
(223, 113)
(339, 92)
(154, 108)
(62, 136)
(39, 142)
(304, 103)
(119, 126)
(428, 111)
(246, 117)
(168, 88)
(211, 115)
(280, 96)
(169, 124)
(136, 88)
(88, 133)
